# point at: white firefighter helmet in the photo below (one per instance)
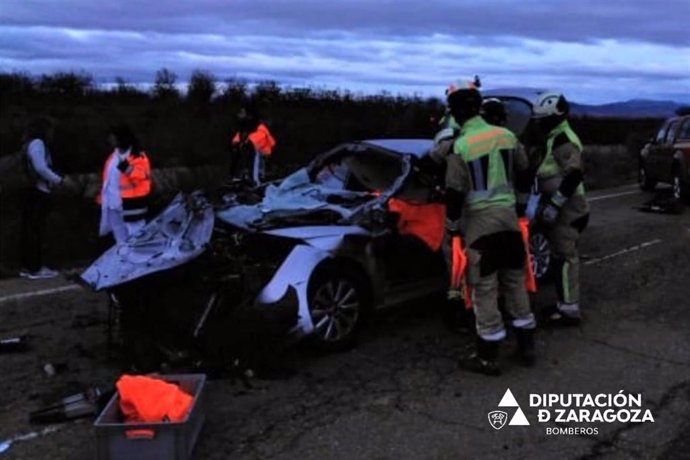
(550, 103)
(457, 85)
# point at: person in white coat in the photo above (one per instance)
(126, 186)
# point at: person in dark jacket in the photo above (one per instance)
(38, 198)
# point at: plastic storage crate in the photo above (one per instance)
(117, 440)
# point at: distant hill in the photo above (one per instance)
(635, 108)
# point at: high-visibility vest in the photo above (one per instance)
(549, 167)
(489, 153)
(135, 185)
(261, 138)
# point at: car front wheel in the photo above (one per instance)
(540, 255)
(680, 188)
(337, 301)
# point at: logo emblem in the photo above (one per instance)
(498, 419)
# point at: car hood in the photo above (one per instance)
(179, 234)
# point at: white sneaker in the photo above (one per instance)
(46, 272)
(42, 274)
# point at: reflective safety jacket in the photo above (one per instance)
(135, 185)
(261, 138)
(489, 152)
(563, 156)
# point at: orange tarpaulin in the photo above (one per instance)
(458, 270)
(426, 221)
(147, 399)
(530, 280)
(459, 263)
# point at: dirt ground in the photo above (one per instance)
(400, 394)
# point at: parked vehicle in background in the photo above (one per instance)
(666, 158)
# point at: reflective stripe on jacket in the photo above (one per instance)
(550, 173)
(489, 152)
(261, 138)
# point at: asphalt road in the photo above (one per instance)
(400, 394)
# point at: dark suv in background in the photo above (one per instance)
(666, 158)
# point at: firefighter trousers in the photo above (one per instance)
(496, 267)
(564, 238)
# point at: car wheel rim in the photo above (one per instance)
(335, 309)
(540, 254)
(676, 187)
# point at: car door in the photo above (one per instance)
(414, 259)
(397, 255)
(659, 160)
(666, 151)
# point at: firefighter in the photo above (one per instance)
(494, 112)
(251, 145)
(564, 209)
(480, 197)
(124, 196)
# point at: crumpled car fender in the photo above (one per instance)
(295, 272)
(320, 243)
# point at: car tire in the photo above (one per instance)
(646, 182)
(338, 300)
(540, 255)
(680, 188)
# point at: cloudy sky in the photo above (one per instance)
(594, 50)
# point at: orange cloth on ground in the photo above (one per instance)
(261, 138)
(147, 399)
(425, 221)
(530, 280)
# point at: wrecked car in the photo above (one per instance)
(359, 229)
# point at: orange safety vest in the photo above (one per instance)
(135, 186)
(261, 138)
